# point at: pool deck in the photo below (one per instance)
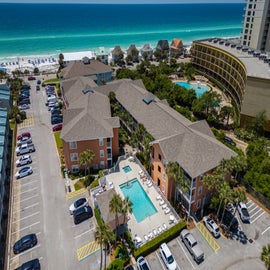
(145, 227)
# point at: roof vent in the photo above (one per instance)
(148, 100)
(87, 90)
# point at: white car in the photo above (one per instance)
(23, 172)
(243, 212)
(142, 264)
(167, 257)
(211, 225)
(24, 107)
(78, 204)
(24, 140)
(24, 160)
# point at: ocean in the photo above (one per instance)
(48, 29)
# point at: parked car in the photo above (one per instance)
(56, 106)
(51, 104)
(78, 204)
(24, 107)
(25, 148)
(37, 87)
(24, 160)
(211, 225)
(229, 141)
(24, 140)
(167, 257)
(38, 81)
(31, 78)
(229, 222)
(55, 112)
(142, 264)
(25, 243)
(243, 212)
(25, 86)
(24, 101)
(24, 95)
(56, 120)
(82, 214)
(192, 245)
(30, 265)
(230, 207)
(24, 134)
(57, 127)
(23, 172)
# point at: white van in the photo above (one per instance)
(52, 99)
(167, 257)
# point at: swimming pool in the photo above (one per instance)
(142, 205)
(199, 88)
(127, 169)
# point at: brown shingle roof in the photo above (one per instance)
(177, 44)
(78, 68)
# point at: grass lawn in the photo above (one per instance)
(79, 184)
(58, 139)
(51, 81)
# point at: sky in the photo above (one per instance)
(123, 1)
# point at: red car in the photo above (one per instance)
(24, 135)
(31, 78)
(57, 127)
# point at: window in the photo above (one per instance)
(198, 204)
(75, 168)
(152, 167)
(102, 164)
(159, 156)
(95, 166)
(72, 145)
(100, 141)
(73, 156)
(101, 153)
(200, 190)
(164, 176)
(159, 169)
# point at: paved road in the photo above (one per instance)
(40, 204)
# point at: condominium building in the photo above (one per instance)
(241, 72)
(256, 31)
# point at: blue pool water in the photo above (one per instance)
(142, 205)
(199, 88)
(127, 169)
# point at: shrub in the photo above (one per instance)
(100, 174)
(98, 217)
(94, 184)
(23, 115)
(156, 242)
(116, 264)
(122, 253)
(128, 238)
(88, 180)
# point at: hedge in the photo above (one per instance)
(98, 217)
(154, 244)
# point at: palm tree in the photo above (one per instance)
(172, 172)
(86, 158)
(115, 207)
(127, 207)
(225, 196)
(104, 236)
(265, 256)
(225, 113)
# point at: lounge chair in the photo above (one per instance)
(158, 197)
(167, 210)
(149, 184)
(150, 235)
(164, 206)
(161, 202)
(159, 229)
(164, 226)
(145, 237)
(155, 232)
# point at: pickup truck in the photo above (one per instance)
(25, 148)
(192, 245)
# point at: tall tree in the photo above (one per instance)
(225, 196)
(259, 123)
(265, 256)
(115, 207)
(86, 158)
(226, 113)
(127, 207)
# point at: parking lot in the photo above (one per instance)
(40, 205)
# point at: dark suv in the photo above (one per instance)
(229, 141)
(82, 214)
(229, 221)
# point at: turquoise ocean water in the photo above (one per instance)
(48, 29)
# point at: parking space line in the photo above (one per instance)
(253, 209)
(36, 213)
(257, 217)
(75, 193)
(256, 213)
(84, 233)
(87, 250)
(27, 207)
(29, 198)
(185, 253)
(28, 250)
(161, 262)
(26, 184)
(25, 191)
(22, 229)
(265, 230)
